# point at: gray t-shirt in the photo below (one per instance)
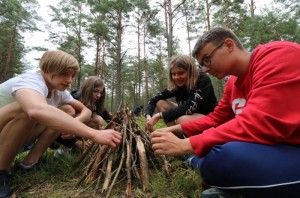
(35, 81)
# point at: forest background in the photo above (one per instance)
(128, 42)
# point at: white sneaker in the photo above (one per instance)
(217, 193)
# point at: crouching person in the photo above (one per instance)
(28, 110)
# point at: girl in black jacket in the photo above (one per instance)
(192, 90)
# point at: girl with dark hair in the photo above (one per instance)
(92, 95)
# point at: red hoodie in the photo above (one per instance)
(262, 106)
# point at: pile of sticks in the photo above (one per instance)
(131, 160)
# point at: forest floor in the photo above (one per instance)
(54, 178)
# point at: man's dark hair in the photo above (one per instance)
(215, 36)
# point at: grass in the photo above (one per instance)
(55, 179)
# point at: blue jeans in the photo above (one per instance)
(255, 170)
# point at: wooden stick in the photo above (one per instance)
(120, 165)
(108, 172)
(81, 158)
(128, 172)
(143, 163)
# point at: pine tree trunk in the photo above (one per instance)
(146, 68)
(118, 101)
(9, 53)
(207, 14)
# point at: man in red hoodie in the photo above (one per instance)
(250, 144)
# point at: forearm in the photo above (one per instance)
(84, 116)
(53, 118)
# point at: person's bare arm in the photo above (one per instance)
(83, 113)
(151, 121)
(36, 107)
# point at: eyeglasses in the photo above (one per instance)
(206, 60)
(96, 92)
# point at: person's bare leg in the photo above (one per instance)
(163, 105)
(46, 137)
(187, 118)
(12, 137)
(96, 122)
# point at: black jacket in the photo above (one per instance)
(201, 99)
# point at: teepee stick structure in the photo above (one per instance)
(105, 166)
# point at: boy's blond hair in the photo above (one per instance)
(58, 62)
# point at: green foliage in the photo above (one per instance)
(260, 30)
(218, 86)
(183, 182)
(15, 17)
(94, 24)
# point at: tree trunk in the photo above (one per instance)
(103, 64)
(207, 14)
(252, 8)
(9, 53)
(118, 101)
(139, 59)
(188, 31)
(146, 68)
(79, 46)
(98, 53)
(226, 12)
(170, 35)
(112, 92)
(166, 24)
(161, 68)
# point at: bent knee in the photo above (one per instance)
(223, 160)
(68, 109)
(182, 119)
(163, 105)
(160, 103)
(186, 118)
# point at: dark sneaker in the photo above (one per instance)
(5, 178)
(217, 193)
(36, 166)
(21, 166)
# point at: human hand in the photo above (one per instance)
(147, 125)
(151, 121)
(107, 137)
(166, 143)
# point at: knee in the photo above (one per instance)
(96, 121)
(23, 119)
(68, 109)
(223, 161)
(160, 104)
(182, 119)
